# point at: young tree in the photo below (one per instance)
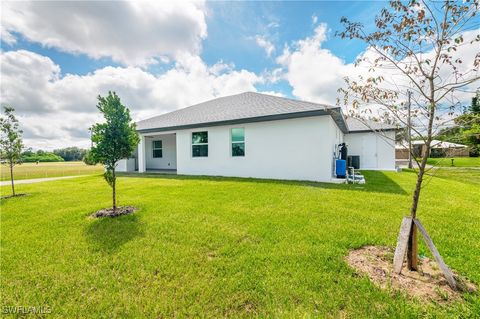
(414, 47)
(11, 143)
(113, 140)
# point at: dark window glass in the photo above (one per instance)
(200, 150)
(199, 137)
(238, 149)
(200, 144)
(157, 149)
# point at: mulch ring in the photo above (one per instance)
(108, 212)
(428, 283)
(13, 196)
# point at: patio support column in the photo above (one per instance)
(141, 155)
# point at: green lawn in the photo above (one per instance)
(457, 161)
(33, 170)
(219, 247)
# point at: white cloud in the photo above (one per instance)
(314, 73)
(56, 111)
(26, 77)
(273, 76)
(6, 36)
(314, 19)
(274, 93)
(130, 32)
(265, 44)
(273, 24)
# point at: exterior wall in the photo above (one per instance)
(376, 152)
(456, 152)
(401, 153)
(126, 165)
(122, 166)
(294, 149)
(169, 152)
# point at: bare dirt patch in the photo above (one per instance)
(108, 212)
(428, 283)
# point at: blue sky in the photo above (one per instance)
(232, 27)
(58, 56)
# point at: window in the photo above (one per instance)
(157, 149)
(238, 142)
(199, 144)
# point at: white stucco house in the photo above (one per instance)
(257, 135)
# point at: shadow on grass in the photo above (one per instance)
(109, 234)
(13, 196)
(377, 181)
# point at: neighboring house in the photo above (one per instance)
(438, 149)
(257, 135)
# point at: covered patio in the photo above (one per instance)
(157, 153)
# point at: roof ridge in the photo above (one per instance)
(290, 99)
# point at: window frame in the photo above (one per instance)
(198, 144)
(237, 142)
(156, 149)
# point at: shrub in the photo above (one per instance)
(42, 157)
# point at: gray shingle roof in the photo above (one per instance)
(244, 107)
(357, 125)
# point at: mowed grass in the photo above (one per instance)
(457, 161)
(221, 247)
(41, 170)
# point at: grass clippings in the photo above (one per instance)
(426, 284)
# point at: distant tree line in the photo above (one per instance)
(71, 153)
(65, 154)
(30, 156)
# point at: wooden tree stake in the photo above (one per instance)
(406, 237)
(446, 271)
(402, 243)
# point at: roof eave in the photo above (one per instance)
(265, 118)
(373, 130)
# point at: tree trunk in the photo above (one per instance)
(412, 248)
(11, 178)
(409, 131)
(114, 179)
